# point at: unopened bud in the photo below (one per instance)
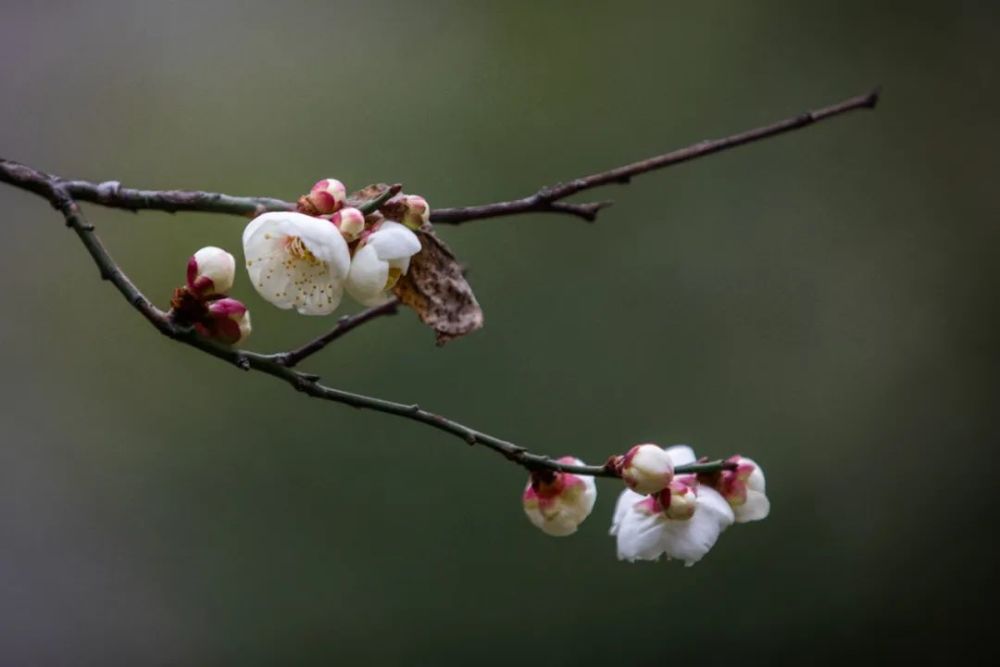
(327, 196)
(558, 502)
(227, 321)
(646, 469)
(679, 499)
(210, 272)
(350, 221)
(416, 212)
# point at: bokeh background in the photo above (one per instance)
(824, 301)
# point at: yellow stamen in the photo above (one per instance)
(297, 249)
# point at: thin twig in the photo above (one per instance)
(113, 195)
(344, 324)
(547, 199)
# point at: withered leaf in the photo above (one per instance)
(367, 193)
(435, 287)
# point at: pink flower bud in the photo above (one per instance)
(416, 212)
(210, 272)
(646, 469)
(227, 321)
(350, 221)
(679, 499)
(557, 503)
(327, 196)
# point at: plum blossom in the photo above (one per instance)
(645, 468)
(743, 488)
(380, 259)
(297, 261)
(210, 272)
(227, 321)
(558, 503)
(682, 521)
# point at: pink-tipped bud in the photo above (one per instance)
(327, 196)
(645, 469)
(350, 221)
(210, 272)
(416, 211)
(557, 503)
(679, 499)
(743, 487)
(227, 321)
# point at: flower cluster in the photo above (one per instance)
(660, 512)
(681, 516)
(306, 260)
(203, 302)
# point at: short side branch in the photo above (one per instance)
(547, 199)
(344, 324)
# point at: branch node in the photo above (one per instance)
(108, 190)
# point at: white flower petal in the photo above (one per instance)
(645, 536)
(691, 539)
(756, 507)
(394, 241)
(368, 276)
(756, 480)
(681, 455)
(640, 535)
(626, 499)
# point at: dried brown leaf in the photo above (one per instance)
(435, 287)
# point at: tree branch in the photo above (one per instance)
(113, 195)
(344, 324)
(63, 195)
(547, 199)
(53, 191)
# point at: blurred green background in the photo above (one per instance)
(824, 302)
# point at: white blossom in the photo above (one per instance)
(297, 261)
(380, 259)
(682, 521)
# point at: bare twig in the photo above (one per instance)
(344, 324)
(113, 195)
(547, 199)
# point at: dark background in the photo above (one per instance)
(824, 302)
